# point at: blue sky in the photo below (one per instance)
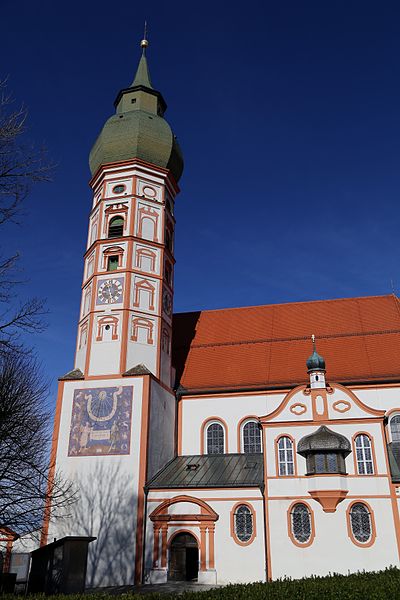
(288, 116)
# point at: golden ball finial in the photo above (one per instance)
(144, 44)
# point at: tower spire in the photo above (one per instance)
(142, 76)
(316, 367)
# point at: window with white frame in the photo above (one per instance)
(300, 519)
(365, 465)
(215, 439)
(243, 523)
(360, 520)
(395, 428)
(285, 456)
(251, 437)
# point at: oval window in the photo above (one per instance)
(301, 523)
(360, 520)
(243, 523)
(118, 189)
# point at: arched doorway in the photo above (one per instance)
(183, 558)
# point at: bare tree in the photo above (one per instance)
(26, 484)
(29, 489)
(21, 166)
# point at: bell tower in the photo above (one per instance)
(115, 415)
(127, 291)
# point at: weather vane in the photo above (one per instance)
(144, 43)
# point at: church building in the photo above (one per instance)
(219, 446)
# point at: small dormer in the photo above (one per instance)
(325, 451)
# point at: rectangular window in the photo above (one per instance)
(112, 263)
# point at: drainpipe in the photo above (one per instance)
(146, 493)
(262, 489)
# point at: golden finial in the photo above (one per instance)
(144, 43)
(313, 340)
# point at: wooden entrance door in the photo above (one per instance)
(183, 558)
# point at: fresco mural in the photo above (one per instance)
(101, 421)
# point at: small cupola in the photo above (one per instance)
(325, 451)
(316, 368)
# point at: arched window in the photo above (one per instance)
(215, 439)
(363, 446)
(360, 522)
(251, 437)
(116, 227)
(300, 519)
(395, 428)
(243, 519)
(285, 456)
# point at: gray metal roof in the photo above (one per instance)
(324, 439)
(211, 470)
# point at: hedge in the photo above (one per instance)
(382, 585)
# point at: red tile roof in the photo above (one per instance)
(267, 346)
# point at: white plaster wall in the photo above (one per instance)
(165, 368)
(332, 550)
(105, 354)
(121, 203)
(233, 563)
(80, 356)
(102, 266)
(150, 231)
(156, 251)
(143, 353)
(381, 398)
(126, 181)
(107, 492)
(347, 429)
(144, 295)
(149, 189)
(162, 429)
(229, 408)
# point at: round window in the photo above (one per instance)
(118, 189)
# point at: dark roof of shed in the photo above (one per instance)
(212, 470)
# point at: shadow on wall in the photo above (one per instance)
(106, 508)
(183, 332)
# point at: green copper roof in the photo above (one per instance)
(138, 129)
(142, 76)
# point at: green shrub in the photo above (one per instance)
(383, 585)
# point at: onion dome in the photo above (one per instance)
(315, 362)
(323, 440)
(138, 129)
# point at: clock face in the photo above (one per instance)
(109, 291)
(167, 303)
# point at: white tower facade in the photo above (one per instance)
(116, 410)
